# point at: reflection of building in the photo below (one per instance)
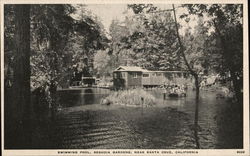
(129, 77)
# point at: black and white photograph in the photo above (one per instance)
(153, 77)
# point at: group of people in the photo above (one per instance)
(178, 89)
(175, 89)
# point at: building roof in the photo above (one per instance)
(139, 69)
(170, 71)
(130, 68)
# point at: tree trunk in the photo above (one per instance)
(237, 86)
(52, 89)
(196, 116)
(21, 84)
(196, 77)
(53, 47)
(197, 86)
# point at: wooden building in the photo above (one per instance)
(131, 77)
(127, 77)
(158, 78)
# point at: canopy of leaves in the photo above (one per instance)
(140, 8)
(150, 39)
(103, 63)
(226, 40)
(226, 19)
(58, 41)
(197, 47)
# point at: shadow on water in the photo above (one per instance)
(88, 96)
(219, 121)
(121, 127)
(177, 123)
(81, 96)
(196, 122)
(213, 123)
(230, 131)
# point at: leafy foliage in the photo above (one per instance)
(102, 63)
(140, 8)
(58, 41)
(196, 45)
(226, 19)
(50, 27)
(150, 40)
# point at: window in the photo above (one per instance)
(115, 75)
(154, 74)
(145, 75)
(122, 75)
(134, 75)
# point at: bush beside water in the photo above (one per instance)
(132, 97)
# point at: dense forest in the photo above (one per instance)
(45, 44)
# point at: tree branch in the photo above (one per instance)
(181, 45)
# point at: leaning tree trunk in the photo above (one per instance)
(196, 77)
(196, 115)
(21, 84)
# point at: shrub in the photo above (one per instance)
(132, 97)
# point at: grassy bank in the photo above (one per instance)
(132, 97)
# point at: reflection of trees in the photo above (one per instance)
(88, 96)
(196, 124)
(230, 119)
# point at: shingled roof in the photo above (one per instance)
(130, 68)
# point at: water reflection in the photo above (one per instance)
(81, 96)
(196, 122)
(88, 96)
(99, 126)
